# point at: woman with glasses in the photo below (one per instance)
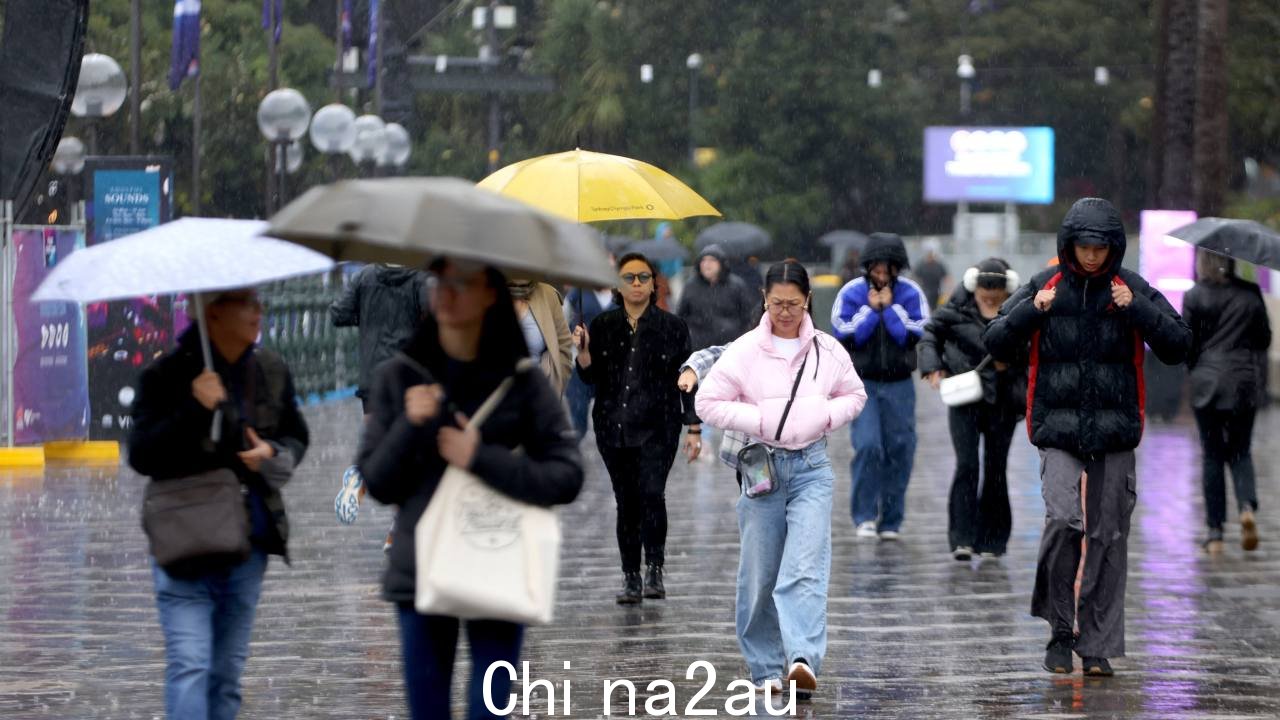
(632, 355)
(786, 385)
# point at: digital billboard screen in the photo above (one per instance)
(988, 164)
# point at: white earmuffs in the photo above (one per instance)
(1011, 279)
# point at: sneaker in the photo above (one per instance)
(962, 553)
(773, 685)
(1248, 530)
(991, 554)
(1057, 656)
(1096, 667)
(889, 535)
(866, 529)
(802, 675)
(1213, 543)
(386, 544)
(347, 504)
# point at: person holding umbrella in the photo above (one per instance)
(1084, 323)
(632, 355)
(1230, 334)
(419, 405)
(207, 606)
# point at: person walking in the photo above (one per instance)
(632, 356)
(879, 318)
(385, 303)
(1230, 334)
(717, 305)
(786, 385)
(582, 307)
(1084, 323)
(419, 405)
(978, 522)
(932, 274)
(207, 606)
(546, 333)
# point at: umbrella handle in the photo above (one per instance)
(215, 431)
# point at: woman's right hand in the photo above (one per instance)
(935, 378)
(582, 339)
(207, 389)
(422, 402)
(687, 381)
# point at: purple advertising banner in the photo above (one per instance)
(50, 378)
(1167, 263)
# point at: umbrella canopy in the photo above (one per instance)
(844, 239)
(187, 255)
(409, 220)
(737, 238)
(1246, 240)
(618, 244)
(585, 186)
(660, 250)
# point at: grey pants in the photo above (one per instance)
(1109, 486)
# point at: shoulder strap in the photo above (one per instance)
(794, 387)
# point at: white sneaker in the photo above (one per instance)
(802, 675)
(962, 553)
(866, 529)
(889, 535)
(773, 684)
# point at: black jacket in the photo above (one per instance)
(1086, 382)
(401, 465)
(1230, 334)
(718, 313)
(953, 342)
(170, 434)
(386, 303)
(635, 376)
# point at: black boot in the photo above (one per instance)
(653, 588)
(630, 594)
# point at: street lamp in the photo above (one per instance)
(1101, 76)
(101, 91)
(646, 73)
(68, 161)
(694, 63)
(399, 146)
(370, 143)
(873, 78)
(965, 71)
(333, 132)
(283, 117)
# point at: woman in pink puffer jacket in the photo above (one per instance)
(785, 558)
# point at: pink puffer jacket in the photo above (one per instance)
(750, 384)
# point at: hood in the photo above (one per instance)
(886, 247)
(1094, 218)
(395, 274)
(717, 252)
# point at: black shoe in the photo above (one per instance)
(630, 594)
(653, 588)
(1097, 667)
(1057, 656)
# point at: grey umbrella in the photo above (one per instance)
(660, 250)
(407, 221)
(851, 239)
(737, 238)
(1246, 240)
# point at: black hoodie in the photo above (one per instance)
(718, 313)
(386, 302)
(1085, 387)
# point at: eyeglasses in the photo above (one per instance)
(457, 284)
(787, 306)
(631, 278)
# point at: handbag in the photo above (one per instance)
(198, 521)
(756, 470)
(965, 388)
(482, 555)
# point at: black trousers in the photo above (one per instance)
(1225, 436)
(980, 520)
(639, 477)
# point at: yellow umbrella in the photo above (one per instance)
(591, 187)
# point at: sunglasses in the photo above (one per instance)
(631, 278)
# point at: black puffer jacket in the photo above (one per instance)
(1230, 334)
(718, 313)
(1086, 384)
(386, 303)
(953, 342)
(400, 462)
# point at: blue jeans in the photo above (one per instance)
(207, 622)
(884, 448)
(429, 643)
(784, 565)
(579, 395)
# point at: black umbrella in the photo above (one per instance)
(618, 244)
(1246, 240)
(660, 250)
(736, 238)
(844, 238)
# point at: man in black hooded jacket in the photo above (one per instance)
(1085, 323)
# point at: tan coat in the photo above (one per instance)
(548, 311)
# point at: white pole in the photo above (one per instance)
(6, 323)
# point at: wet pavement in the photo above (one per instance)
(913, 633)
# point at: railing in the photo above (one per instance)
(324, 360)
